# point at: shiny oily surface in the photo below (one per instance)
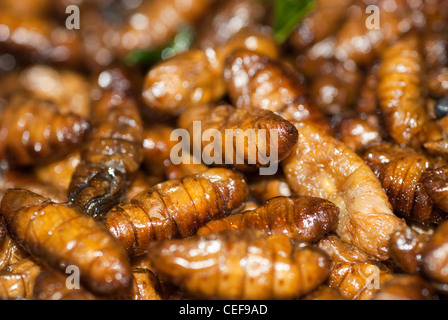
(62, 235)
(176, 208)
(322, 166)
(240, 265)
(306, 219)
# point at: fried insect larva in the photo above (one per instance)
(307, 219)
(324, 292)
(401, 171)
(435, 255)
(400, 92)
(176, 208)
(61, 235)
(257, 81)
(146, 285)
(358, 281)
(240, 265)
(226, 19)
(52, 285)
(155, 23)
(59, 173)
(113, 151)
(406, 248)
(34, 131)
(187, 79)
(254, 135)
(321, 166)
(17, 280)
(406, 287)
(341, 251)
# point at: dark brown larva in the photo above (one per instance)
(406, 248)
(401, 171)
(307, 219)
(113, 151)
(52, 285)
(256, 135)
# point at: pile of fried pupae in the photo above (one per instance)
(355, 211)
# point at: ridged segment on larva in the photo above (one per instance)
(60, 235)
(34, 131)
(240, 265)
(305, 218)
(268, 136)
(400, 92)
(113, 151)
(176, 208)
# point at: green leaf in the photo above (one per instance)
(181, 42)
(288, 14)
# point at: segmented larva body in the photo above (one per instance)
(240, 265)
(176, 208)
(61, 236)
(400, 92)
(249, 137)
(33, 131)
(401, 171)
(304, 218)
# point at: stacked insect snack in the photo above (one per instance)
(224, 150)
